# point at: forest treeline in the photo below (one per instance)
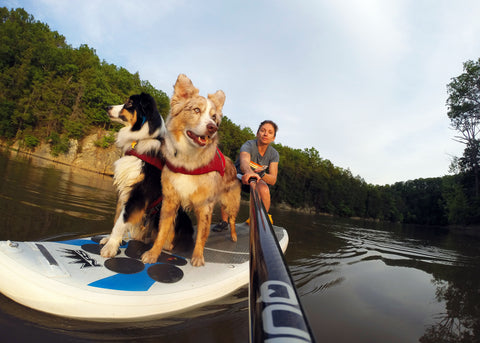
(52, 92)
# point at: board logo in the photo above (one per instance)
(80, 257)
(281, 315)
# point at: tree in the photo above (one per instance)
(464, 112)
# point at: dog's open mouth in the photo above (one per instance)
(200, 140)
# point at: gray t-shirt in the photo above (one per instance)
(271, 155)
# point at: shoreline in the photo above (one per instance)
(84, 154)
(108, 156)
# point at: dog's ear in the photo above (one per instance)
(184, 87)
(218, 99)
(183, 90)
(150, 111)
(147, 102)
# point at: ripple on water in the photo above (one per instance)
(319, 272)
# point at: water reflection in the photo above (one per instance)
(461, 293)
(38, 201)
(371, 282)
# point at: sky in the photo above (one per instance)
(362, 82)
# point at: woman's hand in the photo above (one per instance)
(247, 176)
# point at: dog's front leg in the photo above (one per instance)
(113, 241)
(204, 220)
(167, 216)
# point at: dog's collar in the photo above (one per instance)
(216, 164)
(153, 160)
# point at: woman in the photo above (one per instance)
(259, 160)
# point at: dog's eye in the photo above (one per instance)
(196, 110)
(214, 117)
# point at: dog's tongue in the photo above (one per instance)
(200, 140)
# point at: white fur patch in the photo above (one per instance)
(201, 128)
(126, 136)
(184, 185)
(126, 172)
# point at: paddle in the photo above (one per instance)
(276, 313)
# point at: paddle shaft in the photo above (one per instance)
(275, 312)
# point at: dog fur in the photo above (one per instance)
(190, 143)
(138, 183)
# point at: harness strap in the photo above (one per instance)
(153, 160)
(216, 164)
(155, 206)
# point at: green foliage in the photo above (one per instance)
(232, 137)
(106, 141)
(423, 201)
(74, 129)
(58, 144)
(31, 141)
(456, 201)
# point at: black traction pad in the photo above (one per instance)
(135, 249)
(98, 238)
(124, 265)
(165, 273)
(94, 248)
(171, 259)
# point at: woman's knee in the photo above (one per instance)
(263, 189)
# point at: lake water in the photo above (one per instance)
(358, 281)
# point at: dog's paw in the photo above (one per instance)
(104, 240)
(168, 246)
(109, 250)
(197, 261)
(149, 257)
(233, 236)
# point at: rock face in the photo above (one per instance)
(82, 154)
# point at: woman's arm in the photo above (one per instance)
(245, 168)
(271, 177)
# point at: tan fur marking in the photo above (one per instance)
(218, 99)
(131, 117)
(136, 217)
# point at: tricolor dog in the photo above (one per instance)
(137, 175)
(196, 175)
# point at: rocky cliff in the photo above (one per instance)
(82, 154)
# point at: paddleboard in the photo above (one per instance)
(70, 278)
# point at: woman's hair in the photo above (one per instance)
(275, 127)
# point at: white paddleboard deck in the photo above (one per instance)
(70, 278)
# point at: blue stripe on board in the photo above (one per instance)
(82, 241)
(138, 282)
(78, 242)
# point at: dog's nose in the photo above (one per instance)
(109, 108)
(212, 128)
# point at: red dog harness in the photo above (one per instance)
(153, 160)
(216, 164)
